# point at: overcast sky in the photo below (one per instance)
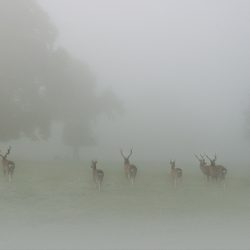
(181, 69)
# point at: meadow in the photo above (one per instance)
(56, 205)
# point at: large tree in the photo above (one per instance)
(42, 83)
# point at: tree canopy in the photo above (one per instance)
(41, 82)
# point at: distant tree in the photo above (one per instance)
(41, 83)
(27, 40)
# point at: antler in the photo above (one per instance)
(122, 154)
(131, 152)
(197, 157)
(8, 152)
(208, 157)
(212, 161)
(124, 157)
(202, 156)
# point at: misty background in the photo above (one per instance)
(179, 68)
(80, 80)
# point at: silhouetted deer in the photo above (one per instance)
(217, 172)
(130, 169)
(176, 173)
(97, 175)
(8, 166)
(203, 166)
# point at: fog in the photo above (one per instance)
(180, 73)
(180, 68)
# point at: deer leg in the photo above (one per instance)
(128, 176)
(4, 170)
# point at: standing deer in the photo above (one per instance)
(176, 173)
(97, 175)
(8, 166)
(130, 169)
(216, 171)
(203, 166)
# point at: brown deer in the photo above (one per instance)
(203, 166)
(8, 166)
(176, 173)
(217, 172)
(130, 169)
(97, 175)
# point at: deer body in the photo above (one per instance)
(130, 169)
(8, 166)
(98, 175)
(217, 172)
(222, 171)
(176, 173)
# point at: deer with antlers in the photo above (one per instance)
(130, 169)
(8, 166)
(176, 173)
(203, 166)
(217, 172)
(98, 175)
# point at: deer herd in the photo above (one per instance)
(211, 171)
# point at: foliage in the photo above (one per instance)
(41, 82)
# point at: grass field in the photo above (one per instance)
(57, 206)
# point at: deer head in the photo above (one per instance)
(93, 164)
(4, 157)
(126, 159)
(212, 161)
(172, 163)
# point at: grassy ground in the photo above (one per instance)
(57, 206)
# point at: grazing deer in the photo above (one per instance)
(8, 166)
(130, 169)
(203, 166)
(97, 175)
(216, 171)
(176, 173)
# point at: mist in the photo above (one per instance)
(165, 79)
(180, 68)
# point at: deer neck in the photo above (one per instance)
(4, 160)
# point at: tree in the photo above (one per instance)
(42, 83)
(27, 39)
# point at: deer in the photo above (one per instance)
(130, 169)
(216, 171)
(8, 166)
(98, 175)
(203, 166)
(176, 173)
